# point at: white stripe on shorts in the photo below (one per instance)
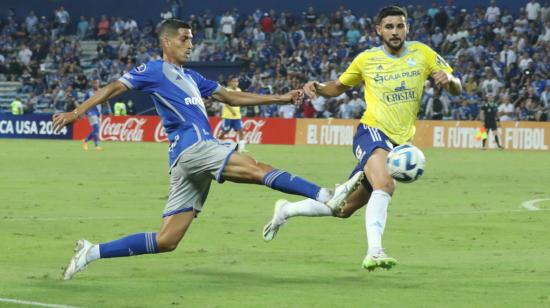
(373, 134)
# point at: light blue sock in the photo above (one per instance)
(131, 245)
(291, 184)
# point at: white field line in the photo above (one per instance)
(31, 303)
(530, 205)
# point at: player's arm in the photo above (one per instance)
(234, 98)
(482, 116)
(101, 96)
(448, 81)
(329, 89)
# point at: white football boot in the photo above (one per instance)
(272, 227)
(78, 262)
(342, 192)
(379, 259)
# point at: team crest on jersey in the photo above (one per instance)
(379, 67)
(141, 68)
(411, 62)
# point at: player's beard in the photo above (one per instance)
(394, 47)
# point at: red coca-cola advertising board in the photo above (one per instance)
(149, 128)
(262, 130)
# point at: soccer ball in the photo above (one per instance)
(406, 163)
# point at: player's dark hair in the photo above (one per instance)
(391, 10)
(170, 27)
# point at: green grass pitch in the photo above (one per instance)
(460, 234)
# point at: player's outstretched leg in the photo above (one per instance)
(285, 210)
(171, 232)
(241, 168)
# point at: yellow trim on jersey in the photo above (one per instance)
(226, 114)
(394, 86)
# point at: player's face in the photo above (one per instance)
(234, 83)
(180, 45)
(393, 30)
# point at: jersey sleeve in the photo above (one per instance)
(436, 62)
(139, 78)
(207, 87)
(353, 75)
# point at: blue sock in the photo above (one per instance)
(131, 245)
(290, 184)
(95, 134)
(90, 136)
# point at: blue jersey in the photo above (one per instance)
(94, 111)
(177, 93)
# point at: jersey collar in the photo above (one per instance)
(404, 53)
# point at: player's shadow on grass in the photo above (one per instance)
(263, 278)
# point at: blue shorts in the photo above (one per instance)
(366, 140)
(234, 124)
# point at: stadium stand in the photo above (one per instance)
(48, 62)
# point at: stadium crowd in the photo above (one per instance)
(499, 55)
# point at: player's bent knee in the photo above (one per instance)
(166, 245)
(387, 185)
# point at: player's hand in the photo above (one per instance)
(310, 89)
(61, 120)
(442, 78)
(294, 96)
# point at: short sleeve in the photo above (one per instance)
(436, 62)
(353, 75)
(139, 78)
(206, 87)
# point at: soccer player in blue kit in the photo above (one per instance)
(94, 118)
(195, 156)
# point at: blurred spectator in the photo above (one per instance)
(166, 14)
(437, 107)
(533, 10)
(492, 14)
(103, 28)
(62, 17)
(506, 110)
(82, 28)
(120, 108)
(227, 24)
(16, 106)
(357, 105)
(31, 22)
(490, 86)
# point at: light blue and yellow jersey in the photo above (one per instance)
(226, 114)
(394, 86)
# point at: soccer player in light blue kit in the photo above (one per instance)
(195, 156)
(94, 118)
